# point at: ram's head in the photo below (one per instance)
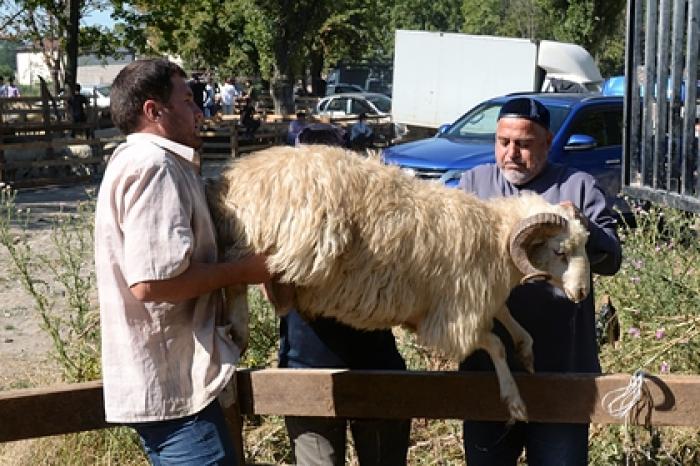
(552, 246)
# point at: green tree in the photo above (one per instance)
(483, 16)
(275, 39)
(592, 24)
(8, 63)
(47, 25)
(587, 23)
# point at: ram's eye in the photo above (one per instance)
(560, 253)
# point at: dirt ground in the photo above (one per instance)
(24, 346)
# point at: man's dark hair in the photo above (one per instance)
(136, 83)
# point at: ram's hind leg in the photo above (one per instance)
(521, 339)
(237, 313)
(509, 390)
(281, 296)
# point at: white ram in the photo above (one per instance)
(375, 248)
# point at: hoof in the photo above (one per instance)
(528, 363)
(517, 411)
(526, 357)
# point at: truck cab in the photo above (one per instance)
(587, 131)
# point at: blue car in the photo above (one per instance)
(587, 132)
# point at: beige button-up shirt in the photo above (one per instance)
(160, 360)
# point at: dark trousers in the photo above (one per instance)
(495, 444)
(326, 343)
(318, 441)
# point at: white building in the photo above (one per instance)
(91, 69)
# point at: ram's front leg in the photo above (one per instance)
(237, 313)
(509, 390)
(521, 339)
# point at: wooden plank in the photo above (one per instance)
(54, 126)
(452, 395)
(215, 156)
(252, 147)
(50, 411)
(675, 400)
(216, 145)
(61, 143)
(56, 181)
(53, 162)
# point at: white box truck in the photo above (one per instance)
(439, 76)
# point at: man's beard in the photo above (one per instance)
(517, 177)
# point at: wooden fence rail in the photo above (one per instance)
(672, 400)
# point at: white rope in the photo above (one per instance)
(620, 402)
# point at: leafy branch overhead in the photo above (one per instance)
(285, 39)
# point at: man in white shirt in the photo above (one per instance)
(229, 93)
(11, 90)
(166, 352)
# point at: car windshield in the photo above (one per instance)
(382, 103)
(480, 123)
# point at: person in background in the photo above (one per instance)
(295, 127)
(198, 90)
(229, 93)
(11, 90)
(564, 332)
(248, 119)
(78, 105)
(3, 87)
(166, 351)
(251, 93)
(327, 343)
(209, 98)
(361, 135)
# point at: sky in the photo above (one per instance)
(98, 18)
(95, 18)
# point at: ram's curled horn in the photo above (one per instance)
(543, 225)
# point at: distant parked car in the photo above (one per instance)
(352, 104)
(615, 85)
(587, 132)
(342, 88)
(98, 96)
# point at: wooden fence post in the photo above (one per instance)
(235, 420)
(46, 115)
(2, 141)
(234, 139)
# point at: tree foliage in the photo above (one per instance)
(284, 38)
(588, 23)
(45, 25)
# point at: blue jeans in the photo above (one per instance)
(196, 440)
(495, 444)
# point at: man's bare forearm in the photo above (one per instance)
(201, 278)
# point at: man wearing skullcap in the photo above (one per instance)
(563, 332)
